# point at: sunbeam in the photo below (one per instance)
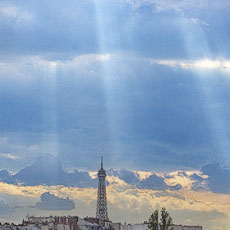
(114, 102)
(50, 132)
(207, 80)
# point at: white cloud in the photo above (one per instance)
(183, 178)
(25, 70)
(9, 156)
(163, 5)
(179, 177)
(197, 21)
(93, 175)
(142, 175)
(15, 14)
(200, 64)
(25, 67)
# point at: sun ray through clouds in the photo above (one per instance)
(111, 81)
(208, 80)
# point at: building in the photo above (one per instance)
(144, 226)
(12, 226)
(59, 223)
(92, 220)
(85, 225)
(39, 219)
(102, 212)
(55, 223)
(51, 223)
(119, 226)
(186, 227)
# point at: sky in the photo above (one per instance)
(143, 83)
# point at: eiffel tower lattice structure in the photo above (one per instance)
(102, 211)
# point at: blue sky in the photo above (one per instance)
(143, 83)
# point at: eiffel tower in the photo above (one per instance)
(102, 212)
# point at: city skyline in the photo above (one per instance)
(76, 193)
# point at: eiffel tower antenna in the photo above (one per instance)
(101, 162)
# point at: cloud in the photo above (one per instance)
(5, 208)
(15, 154)
(48, 170)
(50, 64)
(8, 156)
(142, 175)
(197, 21)
(168, 194)
(129, 201)
(52, 202)
(202, 64)
(147, 126)
(163, 34)
(179, 6)
(164, 5)
(127, 176)
(187, 180)
(5, 176)
(217, 180)
(14, 14)
(153, 182)
(115, 77)
(149, 180)
(181, 177)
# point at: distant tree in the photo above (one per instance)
(154, 220)
(164, 223)
(166, 220)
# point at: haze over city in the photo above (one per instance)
(143, 83)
